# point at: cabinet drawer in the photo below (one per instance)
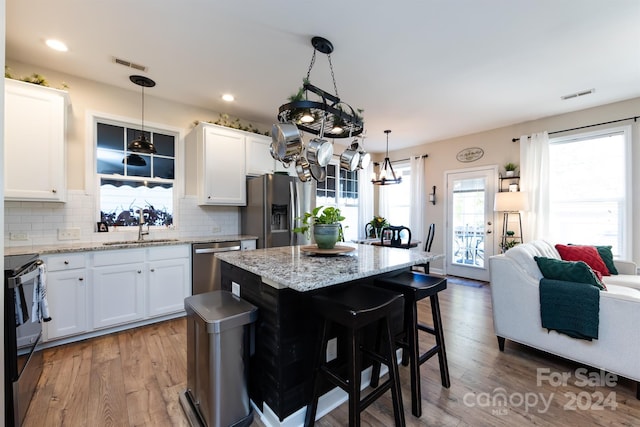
(115, 257)
(168, 252)
(64, 262)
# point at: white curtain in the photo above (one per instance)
(534, 179)
(365, 198)
(418, 199)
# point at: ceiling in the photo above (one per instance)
(426, 69)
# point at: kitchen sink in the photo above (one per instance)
(138, 242)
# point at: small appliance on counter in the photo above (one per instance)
(274, 201)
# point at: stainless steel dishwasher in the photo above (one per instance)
(205, 267)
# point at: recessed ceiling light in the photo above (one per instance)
(228, 97)
(57, 45)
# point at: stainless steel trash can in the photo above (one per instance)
(218, 343)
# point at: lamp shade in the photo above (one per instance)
(511, 201)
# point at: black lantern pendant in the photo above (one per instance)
(142, 144)
(386, 174)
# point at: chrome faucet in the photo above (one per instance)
(141, 233)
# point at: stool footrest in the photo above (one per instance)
(425, 328)
(335, 379)
(428, 354)
(375, 356)
(376, 393)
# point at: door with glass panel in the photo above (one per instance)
(469, 226)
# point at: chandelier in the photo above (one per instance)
(386, 175)
(314, 110)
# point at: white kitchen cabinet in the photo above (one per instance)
(118, 283)
(34, 142)
(67, 296)
(259, 160)
(168, 279)
(220, 169)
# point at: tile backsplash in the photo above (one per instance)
(39, 222)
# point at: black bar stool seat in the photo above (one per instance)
(355, 307)
(415, 286)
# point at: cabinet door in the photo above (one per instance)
(67, 297)
(224, 167)
(168, 286)
(259, 160)
(34, 135)
(118, 294)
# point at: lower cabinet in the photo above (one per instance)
(118, 289)
(67, 296)
(168, 280)
(92, 291)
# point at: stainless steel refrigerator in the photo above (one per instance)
(274, 201)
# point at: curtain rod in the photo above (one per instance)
(424, 156)
(634, 118)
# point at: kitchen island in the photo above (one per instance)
(280, 282)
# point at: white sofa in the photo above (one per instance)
(515, 278)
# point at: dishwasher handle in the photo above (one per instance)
(217, 250)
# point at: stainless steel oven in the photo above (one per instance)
(22, 357)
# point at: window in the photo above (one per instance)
(340, 189)
(589, 188)
(397, 197)
(130, 181)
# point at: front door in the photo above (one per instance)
(470, 218)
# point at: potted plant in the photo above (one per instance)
(510, 169)
(377, 224)
(325, 222)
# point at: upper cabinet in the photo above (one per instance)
(34, 142)
(259, 160)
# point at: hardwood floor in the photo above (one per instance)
(133, 379)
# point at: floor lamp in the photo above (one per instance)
(511, 202)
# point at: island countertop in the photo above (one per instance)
(289, 267)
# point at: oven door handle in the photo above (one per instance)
(27, 274)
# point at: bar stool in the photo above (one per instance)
(414, 287)
(355, 307)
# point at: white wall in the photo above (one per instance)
(499, 149)
(41, 220)
(87, 95)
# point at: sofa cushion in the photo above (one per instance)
(607, 257)
(588, 254)
(570, 271)
(626, 280)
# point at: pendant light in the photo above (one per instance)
(386, 175)
(142, 144)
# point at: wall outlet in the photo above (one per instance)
(72, 233)
(332, 349)
(19, 236)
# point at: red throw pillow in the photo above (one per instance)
(588, 254)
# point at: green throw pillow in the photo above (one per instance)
(607, 256)
(570, 271)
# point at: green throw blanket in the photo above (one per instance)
(570, 308)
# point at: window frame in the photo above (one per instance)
(354, 203)
(626, 226)
(93, 178)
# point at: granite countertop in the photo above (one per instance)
(64, 247)
(289, 267)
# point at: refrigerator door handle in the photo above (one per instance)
(295, 210)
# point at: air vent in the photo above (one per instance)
(129, 64)
(577, 94)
